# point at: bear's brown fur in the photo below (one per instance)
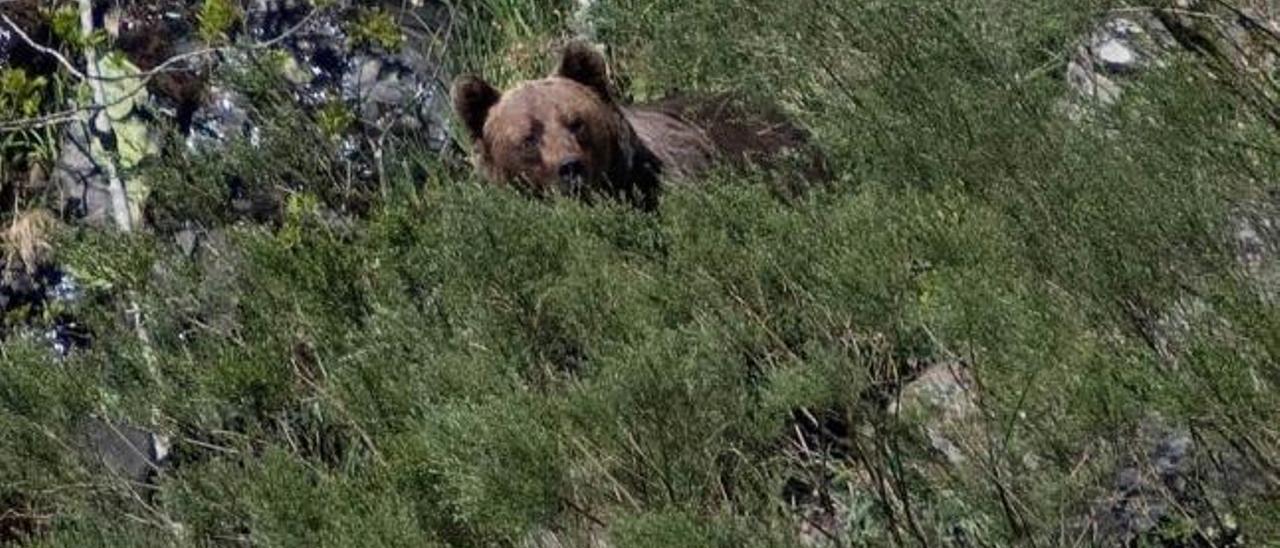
(567, 133)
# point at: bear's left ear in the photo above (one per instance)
(472, 99)
(583, 64)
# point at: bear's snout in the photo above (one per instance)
(572, 171)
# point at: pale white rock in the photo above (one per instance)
(1117, 56)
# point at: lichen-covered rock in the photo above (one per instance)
(360, 92)
(368, 95)
(126, 141)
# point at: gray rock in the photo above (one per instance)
(66, 290)
(389, 94)
(1118, 48)
(124, 451)
(1256, 235)
(186, 240)
(81, 180)
(400, 92)
(1242, 33)
(1254, 232)
(1092, 85)
(1169, 477)
(223, 117)
(1116, 56)
(943, 398)
(365, 84)
(214, 299)
(7, 42)
(28, 296)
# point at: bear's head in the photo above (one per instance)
(561, 134)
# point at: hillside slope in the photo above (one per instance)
(1037, 305)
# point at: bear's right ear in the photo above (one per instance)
(583, 64)
(472, 99)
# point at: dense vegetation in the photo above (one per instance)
(454, 364)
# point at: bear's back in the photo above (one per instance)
(682, 148)
(689, 132)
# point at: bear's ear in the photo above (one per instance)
(583, 64)
(472, 99)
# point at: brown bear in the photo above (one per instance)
(568, 134)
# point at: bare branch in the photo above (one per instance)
(143, 77)
(43, 49)
(170, 62)
(46, 120)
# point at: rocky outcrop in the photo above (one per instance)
(1120, 47)
(1236, 42)
(370, 76)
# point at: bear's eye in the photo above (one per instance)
(576, 126)
(532, 138)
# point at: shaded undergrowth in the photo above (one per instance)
(457, 365)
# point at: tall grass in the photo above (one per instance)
(467, 367)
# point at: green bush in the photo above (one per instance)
(217, 19)
(458, 365)
(376, 27)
